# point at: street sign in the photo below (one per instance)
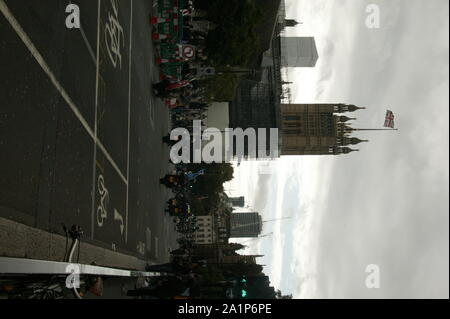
(187, 51)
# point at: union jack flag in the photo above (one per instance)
(389, 121)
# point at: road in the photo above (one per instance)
(80, 130)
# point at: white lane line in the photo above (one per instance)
(88, 45)
(152, 114)
(94, 161)
(129, 118)
(27, 41)
(91, 52)
(148, 235)
(152, 106)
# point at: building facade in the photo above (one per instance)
(299, 52)
(245, 225)
(205, 234)
(303, 129)
(237, 201)
(316, 129)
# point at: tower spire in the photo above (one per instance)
(374, 129)
(291, 22)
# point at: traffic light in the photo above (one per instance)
(243, 285)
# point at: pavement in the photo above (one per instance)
(80, 129)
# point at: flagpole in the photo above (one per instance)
(375, 129)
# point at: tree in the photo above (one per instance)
(242, 269)
(233, 41)
(279, 295)
(209, 186)
(221, 87)
(236, 246)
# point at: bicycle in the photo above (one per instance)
(45, 286)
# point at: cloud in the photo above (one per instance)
(388, 204)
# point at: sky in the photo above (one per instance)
(386, 205)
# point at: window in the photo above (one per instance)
(291, 118)
(292, 132)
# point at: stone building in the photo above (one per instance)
(316, 129)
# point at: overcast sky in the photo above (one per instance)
(386, 205)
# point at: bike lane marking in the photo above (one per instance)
(109, 221)
(95, 120)
(45, 67)
(129, 118)
(111, 45)
(86, 42)
(156, 247)
(33, 50)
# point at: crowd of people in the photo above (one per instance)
(185, 97)
(183, 61)
(178, 279)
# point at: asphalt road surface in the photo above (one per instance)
(80, 130)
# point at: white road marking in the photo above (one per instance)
(94, 162)
(91, 52)
(33, 50)
(114, 32)
(148, 235)
(140, 247)
(129, 117)
(152, 105)
(102, 210)
(88, 45)
(152, 114)
(118, 217)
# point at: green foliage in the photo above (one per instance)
(279, 295)
(239, 270)
(234, 40)
(209, 186)
(221, 87)
(211, 274)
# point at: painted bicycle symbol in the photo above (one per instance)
(114, 36)
(102, 210)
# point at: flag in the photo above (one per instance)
(389, 121)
